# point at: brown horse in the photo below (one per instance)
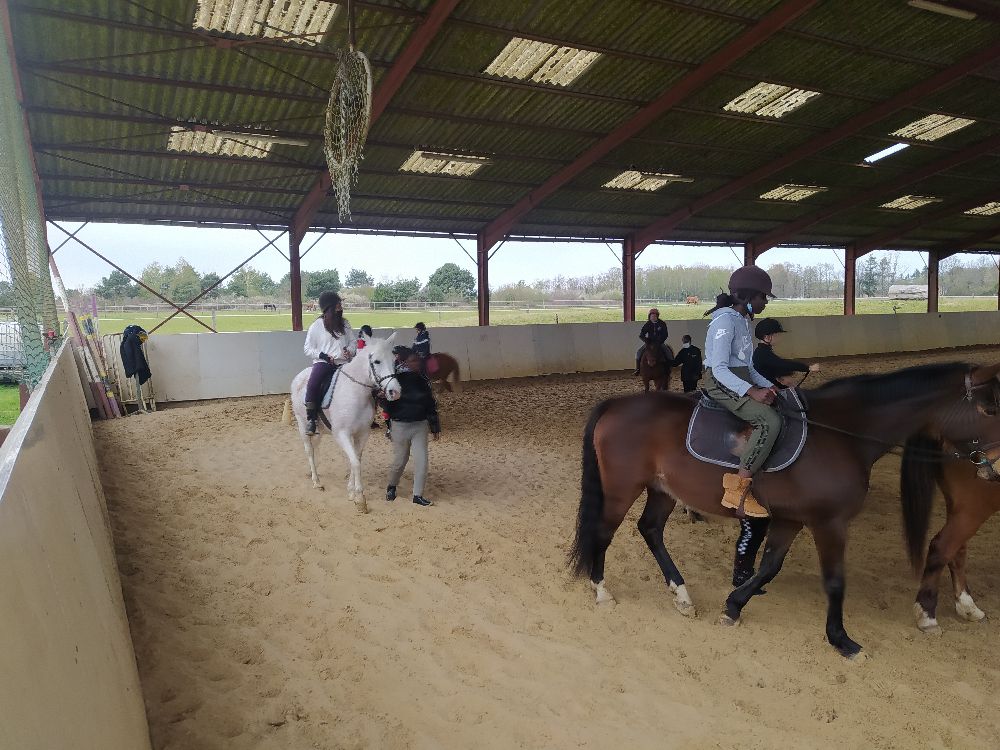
(655, 362)
(633, 443)
(971, 493)
(445, 371)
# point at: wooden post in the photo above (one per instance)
(483, 280)
(628, 279)
(295, 277)
(933, 262)
(749, 257)
(850, 265)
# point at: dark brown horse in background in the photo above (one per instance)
(971, 492)
(443, 369)
(655, 362)
(636, 443)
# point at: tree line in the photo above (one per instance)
(450, 283)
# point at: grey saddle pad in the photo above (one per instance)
(714, 433)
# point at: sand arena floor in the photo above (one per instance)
(268, 615)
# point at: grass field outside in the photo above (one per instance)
(10, 403)
(231, 322)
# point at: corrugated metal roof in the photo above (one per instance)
(105, 80)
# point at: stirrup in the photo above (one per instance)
(310, 427)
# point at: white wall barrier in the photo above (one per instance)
(188, 367)
(69, 674)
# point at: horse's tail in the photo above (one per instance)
(458, 374)
(917, 477)
(581, 556)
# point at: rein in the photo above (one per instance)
(375, 387)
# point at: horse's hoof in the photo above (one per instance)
(857, 658)
(319, 487)
(604, 598)
(606, 602)
(727, 622)
(361, 506)
(925, 623)
(966, 608)
(686, 608)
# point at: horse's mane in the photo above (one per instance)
(871, 389)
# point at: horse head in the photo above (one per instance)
(982, 390)
(381, 366)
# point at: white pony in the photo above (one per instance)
(351, 409)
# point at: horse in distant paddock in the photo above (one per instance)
(268, 306)
(351, 409)
(636, 443)
(692, 300)
(971, 492)
(443, 369)
(655, 363)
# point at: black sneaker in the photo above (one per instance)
(390, 493)
(310, 427)
(420, 500)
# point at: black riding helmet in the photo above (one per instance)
(767, 327)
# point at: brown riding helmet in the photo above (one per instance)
(751, 277)
(651, 311)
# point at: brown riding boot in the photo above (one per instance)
(736, 491)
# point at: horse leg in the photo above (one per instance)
(346, 442)
(307, 442)
(780, 535)
(654, 516)
(616, 505)
(831, 539)
(965, 605)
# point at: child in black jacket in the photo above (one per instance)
(411, 417)
(766, 361)
(689, 360)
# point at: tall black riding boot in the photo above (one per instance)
(311, 412)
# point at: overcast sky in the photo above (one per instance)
(133, 246)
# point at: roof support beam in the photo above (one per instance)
(696, 79)
(388, 86)
(882, 239)
(788, 231)
(947, 249)
(659, 229)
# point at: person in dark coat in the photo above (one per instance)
(413, 415)
(767, 362)
(653, 330)
(689, 360)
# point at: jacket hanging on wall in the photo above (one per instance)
(133, 358)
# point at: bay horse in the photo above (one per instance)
(351, 409)
(971, 493)
(655, 362)
(443, 368)
(637, 442)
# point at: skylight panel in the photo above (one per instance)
(792, 192)
(646, 181)
(770, 100)
(433, 162)
(932, 127)
(987, 209)
(910, 202)
(879, 155)
(541, 62)
(223, 144)
(299, 21)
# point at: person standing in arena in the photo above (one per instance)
(330, 343)
(690, 362)
(411, 416)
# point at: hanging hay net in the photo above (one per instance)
(348, 114)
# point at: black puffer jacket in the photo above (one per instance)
(416, 402)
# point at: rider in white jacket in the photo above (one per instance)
(330, 343)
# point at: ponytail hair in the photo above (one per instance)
(733, 298)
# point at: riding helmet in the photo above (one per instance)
(328, 300)
(767, 327)
(751, 277)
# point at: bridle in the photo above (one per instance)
(375, 386)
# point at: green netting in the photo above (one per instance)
(29, 328)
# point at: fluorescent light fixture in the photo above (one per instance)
(769, 100)
(932, 127)
(879, 155)
(299, 21)
(541, 62)
(434, 162)
(647, 181)
(792, 192)
(944, 10)
(910, 202)
(225, 143)
(987, 209)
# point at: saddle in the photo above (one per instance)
(717, 436)
(328, 389)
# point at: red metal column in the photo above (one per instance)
(628, 280)
(850, 263)
(749, 257)
(295, 276)
(483, 278)
(933, 262)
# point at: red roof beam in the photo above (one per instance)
(788, 231)
(947, 249)
(659, 229)
(417, 44)
(764, 29)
